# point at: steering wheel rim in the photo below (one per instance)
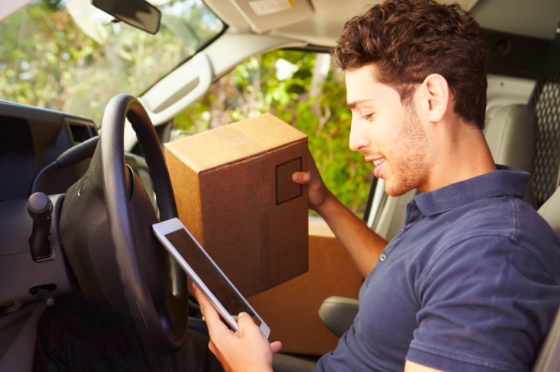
(154, 319)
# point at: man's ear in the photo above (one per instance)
(436, 96)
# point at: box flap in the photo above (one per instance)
(233, 142)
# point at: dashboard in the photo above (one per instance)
(30, 139)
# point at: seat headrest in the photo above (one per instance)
(510, 134)
(550, 211)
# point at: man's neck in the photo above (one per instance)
(461, 153)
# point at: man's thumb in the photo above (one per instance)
(244, 320)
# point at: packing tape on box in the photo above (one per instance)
(238, 141)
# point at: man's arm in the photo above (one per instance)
(361, 243)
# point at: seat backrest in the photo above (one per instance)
(510, 134)
(549, 356)
(545, 101)
(550, 211)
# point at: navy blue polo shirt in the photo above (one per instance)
(470, 283)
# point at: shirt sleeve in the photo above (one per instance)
(486, 305)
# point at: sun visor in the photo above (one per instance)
(9, 7)
(266, 15)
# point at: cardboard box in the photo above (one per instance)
(291, 309)
(234, 192)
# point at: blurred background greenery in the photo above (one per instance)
(47, 60)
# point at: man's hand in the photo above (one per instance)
(361, 243)
(244, 350)
(318, 192)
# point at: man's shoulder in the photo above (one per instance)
(506, 216)
(499, 226)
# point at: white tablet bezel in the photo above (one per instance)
(163, 228)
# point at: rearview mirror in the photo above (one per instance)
(137, 13)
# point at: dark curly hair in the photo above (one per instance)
(406, 40)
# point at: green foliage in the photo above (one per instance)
(47, 60)
(253, 88)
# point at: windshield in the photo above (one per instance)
(67, 55)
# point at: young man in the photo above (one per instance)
(469, 282)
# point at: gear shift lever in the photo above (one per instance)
(40, 209)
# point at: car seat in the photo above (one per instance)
(510, 135)
(546, 102)
(549, 357)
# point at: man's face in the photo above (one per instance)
(389, 134)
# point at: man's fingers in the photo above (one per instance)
(246, 323)
(211, 316)
(276, 346)
(212, 348)
(301, 177)
(200, 297)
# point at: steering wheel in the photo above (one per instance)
(105, 229)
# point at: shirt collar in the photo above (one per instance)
(505, 181)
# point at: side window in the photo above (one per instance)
(304, 90)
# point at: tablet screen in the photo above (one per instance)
(205, 269)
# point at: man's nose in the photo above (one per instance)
(359, 140)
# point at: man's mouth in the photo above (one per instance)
(377, 162)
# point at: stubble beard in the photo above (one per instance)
(409, 158)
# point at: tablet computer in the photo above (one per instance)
(204, 272)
